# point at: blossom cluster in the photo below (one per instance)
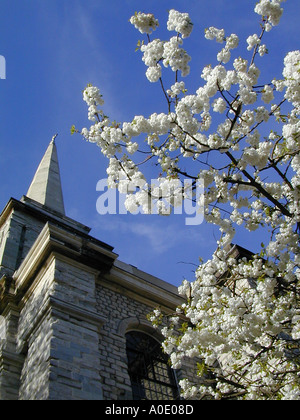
(169, 53)
(243, 330)
(240, 133)
(180, 22)
(232, 42)
(145, 23)
(291, 74)
(271, 10)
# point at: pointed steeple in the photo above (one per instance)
(46, 185)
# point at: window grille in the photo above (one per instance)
(151, 376)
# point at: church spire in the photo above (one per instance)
(46, 185)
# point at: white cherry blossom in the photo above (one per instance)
(243, 310)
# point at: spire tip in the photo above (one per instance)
(54, 138)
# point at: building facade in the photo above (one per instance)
(73, 317)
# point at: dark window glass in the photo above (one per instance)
(151, 376)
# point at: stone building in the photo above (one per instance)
(73, 320)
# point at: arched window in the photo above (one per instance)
(151, 376)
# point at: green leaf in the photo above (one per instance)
(201, 369)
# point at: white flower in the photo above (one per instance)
(92, 96)
(258, 157)
(131, 204)
(154, 73)
(262, 114)
(247, 96)
(232, 42)
(153, 52)
(270, 9)
(253, 74)
(145, 23)
(291, 134)
(268, 94)
(214, 33)
(262, 50)
(224, 55)
(296, 328)
(229, 80)
(176, 57)
(252, 41)
(292, 65)
(219, 105)
(240, 65)
(176, 89)
(132, 147)
(291, 74)
(180, 22)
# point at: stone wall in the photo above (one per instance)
(116, 307)
(59, 331)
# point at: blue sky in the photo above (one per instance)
(53, 49)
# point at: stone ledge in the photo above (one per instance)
(76, 312)
(54, 239)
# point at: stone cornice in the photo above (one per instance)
(53, 239)
(140, 286)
